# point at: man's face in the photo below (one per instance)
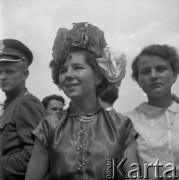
(12, 75)
(54, 107)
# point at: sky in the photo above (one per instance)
(129, 25)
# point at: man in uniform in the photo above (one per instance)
(21, 111)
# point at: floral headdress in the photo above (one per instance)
(83, 35)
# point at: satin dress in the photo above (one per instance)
(81, 150)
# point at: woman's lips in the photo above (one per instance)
(155, 84)
(69, 86)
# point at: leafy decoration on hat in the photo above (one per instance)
(112, 66)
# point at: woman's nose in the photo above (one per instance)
(69, 73)
(154, 74)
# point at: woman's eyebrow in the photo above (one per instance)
(77, 63)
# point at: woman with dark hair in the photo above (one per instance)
(108, 98)
(175, 98)
(87, 140)
(157, 121)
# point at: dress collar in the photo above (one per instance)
(152, 110)
(109, 109)
(73, 111)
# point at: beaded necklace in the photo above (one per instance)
(86, 119)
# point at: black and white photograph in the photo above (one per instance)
(89, 89)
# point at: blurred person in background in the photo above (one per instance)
(108, 98)
(175, 98)
(53, 104)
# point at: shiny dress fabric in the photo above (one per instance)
(79, 150)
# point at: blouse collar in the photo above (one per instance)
(152, 110)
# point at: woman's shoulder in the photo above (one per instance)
(135, 112)
(120, 115)
(117, 117)
(174, 107)
(47, 126)
(122, 125)
(51, 121)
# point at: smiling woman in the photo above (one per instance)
(157, 121)
(77, 78)
(77, 144)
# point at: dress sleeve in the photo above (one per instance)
(131, 134)
(42, 132)
(46, 128)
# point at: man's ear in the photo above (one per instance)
(175, 78)
(26, 74)
(139, 84)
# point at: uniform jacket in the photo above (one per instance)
(22, 113)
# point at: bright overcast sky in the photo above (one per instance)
(129, 25)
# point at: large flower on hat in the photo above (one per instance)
(86, 36)
(82, 35)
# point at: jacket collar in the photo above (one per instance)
(16, 94)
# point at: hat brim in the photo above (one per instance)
(10, 60)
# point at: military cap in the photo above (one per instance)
(16, 49)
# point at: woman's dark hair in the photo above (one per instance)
(110, 95)
(175, 98)
(90, 59)
(166, 52)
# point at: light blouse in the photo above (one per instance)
(158, 138)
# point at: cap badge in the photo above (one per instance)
(1, 47)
